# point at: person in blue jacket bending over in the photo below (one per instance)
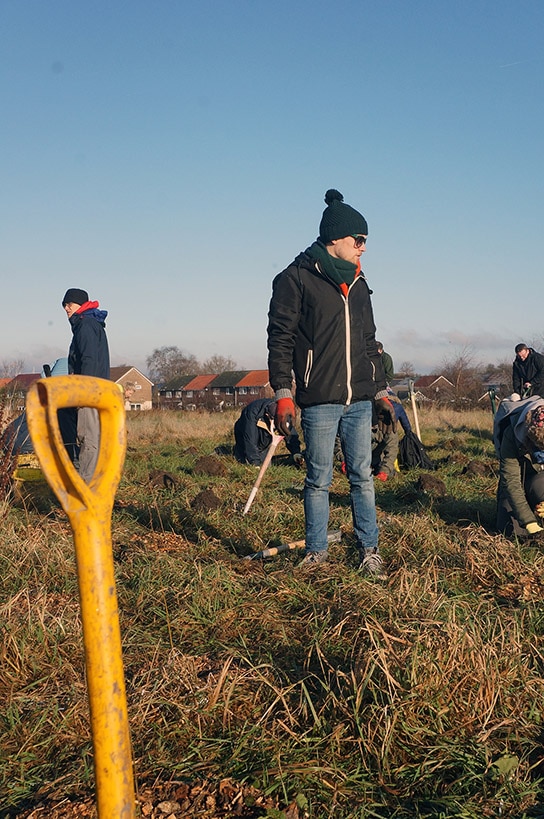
(253, 436)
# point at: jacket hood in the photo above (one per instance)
(95, 312)
(516, 411)
(304, 260)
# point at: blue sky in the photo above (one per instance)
(172, 156)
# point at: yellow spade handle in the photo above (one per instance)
(89, 508)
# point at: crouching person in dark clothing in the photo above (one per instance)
(518, 434)
(253, 437)
(385, 444)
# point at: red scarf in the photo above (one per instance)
(89, 305)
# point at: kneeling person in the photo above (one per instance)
(252, 433)
(385, 443)
(518, 434)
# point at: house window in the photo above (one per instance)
(254, 391)
(216, 391)
(189, 393)
(242, 390)
(168, 394)
(228, 390)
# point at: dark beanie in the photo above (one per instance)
(75, 296)
(339, 219)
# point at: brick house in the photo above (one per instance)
(169, 395)
(254, 385)
(215, 392)
(17, 388)
(434, 388)
(223, 389)
(132, 379)
(196, 393)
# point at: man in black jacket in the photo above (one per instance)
(88, 355)
(321, 327)
(528, 372)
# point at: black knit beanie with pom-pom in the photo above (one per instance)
(339, 219)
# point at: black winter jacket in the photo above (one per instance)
(327, 339)
(89, 353)
(531, 370)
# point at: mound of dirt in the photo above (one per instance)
(205, 501)
(432, 485)
(162, 480)
(455, 444)
(477, 468)
(208, 465)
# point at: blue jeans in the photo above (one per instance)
(353, 424)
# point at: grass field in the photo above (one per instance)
(255, 689)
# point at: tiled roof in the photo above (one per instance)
(118, 372)
(229, 379)
(233, 378)
(24, 380)
(428, 380)
(177, 383)
(199, 382)
(255, 378)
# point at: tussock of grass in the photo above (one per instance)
(400, 698)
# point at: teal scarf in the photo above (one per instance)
(338, 270)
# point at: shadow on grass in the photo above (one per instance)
(460, 512)
(162, 519)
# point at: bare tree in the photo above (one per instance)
(9, 368)
(165, 363)
(407, 369)
(465, 375)
(219, 364)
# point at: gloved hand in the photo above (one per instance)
(387, 420)
(533, 528)
(284, 419)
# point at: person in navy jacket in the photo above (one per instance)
(252, 433)
(88, 355)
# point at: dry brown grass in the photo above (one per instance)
(178, 427)
(325, 694)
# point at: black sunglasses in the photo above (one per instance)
(359, 240)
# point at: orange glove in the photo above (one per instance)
(284, 419)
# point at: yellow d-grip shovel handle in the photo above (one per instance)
(89, 508)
